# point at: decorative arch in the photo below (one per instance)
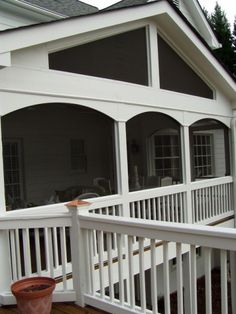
(194, 118)
(175, 115)
(55, 152)
(104, 109)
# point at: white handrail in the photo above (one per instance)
(215, 237)
(177, 240)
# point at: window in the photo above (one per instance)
(78, 156)
(13, 173)
(203, 155)
(166, 154)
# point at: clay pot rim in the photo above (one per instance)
(19, 285)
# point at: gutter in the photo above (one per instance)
(37, 9)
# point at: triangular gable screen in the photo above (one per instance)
(121, 57)
(177, 76)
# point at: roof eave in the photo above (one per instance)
(36, 34)
(37, 9)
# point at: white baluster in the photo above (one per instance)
(166, 276)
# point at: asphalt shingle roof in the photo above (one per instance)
(125, 3)
(65, 7)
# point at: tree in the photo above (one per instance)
(221, 26)
(234, 45)
(234, 35)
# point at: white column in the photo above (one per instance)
(123, 182)
(233, 159)
(2, 187)
(122, 164)
(233, 254)
(153, 60)
(186, 166)
(5, 269)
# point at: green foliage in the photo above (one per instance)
(234, 45)
(221, 27)
(234, 36)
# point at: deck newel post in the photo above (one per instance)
(78, 250)
(186, 166)
(5, 269)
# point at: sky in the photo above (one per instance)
(229, 6)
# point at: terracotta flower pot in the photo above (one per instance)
(34, 295)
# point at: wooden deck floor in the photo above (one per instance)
(59, 308)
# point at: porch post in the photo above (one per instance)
(233, 254)
(186, 162)
(233, 159)
(5, 269)
(122, 165)
(78, 251)
(2, 187)
(123, 182)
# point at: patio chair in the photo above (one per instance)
(165, 181)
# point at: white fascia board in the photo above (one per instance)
(202, 23)
(5, 59)
(36, 9)
(43, 33)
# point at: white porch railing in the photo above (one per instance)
(115, 278)
(164, 204)
(211, 199)
(112, 285)
(116, 249)
(39, 245)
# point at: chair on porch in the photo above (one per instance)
(86, 196)
(152, 182)
(165, 181)
(104, 184)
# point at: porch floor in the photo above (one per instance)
(59, 308)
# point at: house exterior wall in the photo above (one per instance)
(29, 82)
(219, 153)
(32, 65)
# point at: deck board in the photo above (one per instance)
(58, 308)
